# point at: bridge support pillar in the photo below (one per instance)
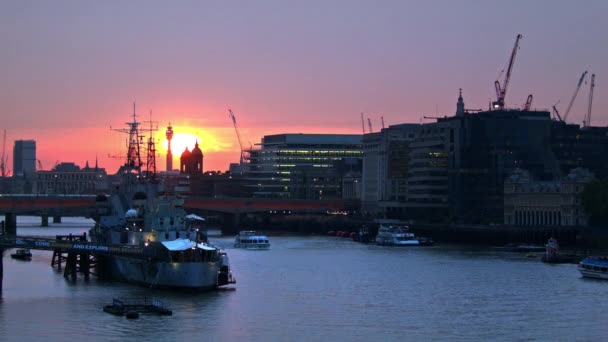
(1, 269)
(10, 224)
(56, 219)
(44, 221)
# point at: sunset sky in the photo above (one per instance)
(70, 70)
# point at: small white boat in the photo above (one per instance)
(250, 239)
(394, 235)
(594, 267)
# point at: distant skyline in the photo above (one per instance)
(72, 69)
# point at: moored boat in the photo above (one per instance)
(594, 267)
(22, 254)
(396, 235)
(250, 239)
(175, 251)
(553, 255)
(363, 235)
(153, 241)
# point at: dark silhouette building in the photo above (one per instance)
(191, 163)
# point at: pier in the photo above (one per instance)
(72, 252)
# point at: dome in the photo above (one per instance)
(186, 153)
(196, 151)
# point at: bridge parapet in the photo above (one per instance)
(251, 205)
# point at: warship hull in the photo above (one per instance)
(201, 276)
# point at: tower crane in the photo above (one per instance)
(528, 102)
(578, 86)
(40, 167)
(3, 161)
(588, 117)
(369, 124)
(382, 119)
(238, 135)
(501, 92)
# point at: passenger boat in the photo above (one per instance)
(22, 254)
(250, 239)
(594, 267)
(396, 235)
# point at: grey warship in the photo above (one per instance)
(139, 215)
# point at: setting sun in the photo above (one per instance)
(180, 141)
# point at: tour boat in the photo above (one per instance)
(250, 239)
(395, 235)
(594, 267)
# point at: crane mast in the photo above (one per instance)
(501, 92)
(557, 113)
(580, 81)
(2, 162)
(369, 124)
(238, 135)
(362, 123)
(588, 117)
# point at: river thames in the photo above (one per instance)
(317, 288)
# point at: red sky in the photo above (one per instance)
(69, 70)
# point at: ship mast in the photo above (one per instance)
(151, 149)
(133, 162)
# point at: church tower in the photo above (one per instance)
(460, 104)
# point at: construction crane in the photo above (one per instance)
(382, 119)
(578, 86)
(369, 124)
(557, 113)
(3, 161)
(501, 92)
(40, 167)
(238, 135)
(528, 102)
(587, 122)
(362, 123)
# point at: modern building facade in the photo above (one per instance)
(302, 166)
(24, 158)
(386, 167)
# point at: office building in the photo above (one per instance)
(303, 166)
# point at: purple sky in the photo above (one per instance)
(70, 69)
